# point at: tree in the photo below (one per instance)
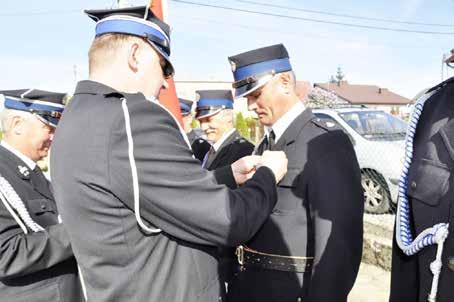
(339, 75)
(321, 98)
(252, 128)
(195, 123)
(241, 125)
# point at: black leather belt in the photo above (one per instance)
(248, 257)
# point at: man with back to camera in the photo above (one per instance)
(309, 249)
(143, 216)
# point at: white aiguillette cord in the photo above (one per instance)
(12, 201)
(434, 235)
(135, 178)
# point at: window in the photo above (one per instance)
(328, 119)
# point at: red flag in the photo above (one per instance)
(167, 97)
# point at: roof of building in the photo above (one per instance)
(303, 88)
(364, 94)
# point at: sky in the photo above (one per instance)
(44, 43)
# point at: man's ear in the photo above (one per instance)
(286, 82)
(133, 56)
(17, 125)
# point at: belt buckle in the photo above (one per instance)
(240, 254)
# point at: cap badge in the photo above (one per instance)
(233, 65)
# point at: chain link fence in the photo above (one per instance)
(379, 141)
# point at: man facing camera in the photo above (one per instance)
(214, 112)
(195, 136)
(36, 258)
(309, 249)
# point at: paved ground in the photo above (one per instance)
(372, 285)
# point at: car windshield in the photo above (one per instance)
(376, 125)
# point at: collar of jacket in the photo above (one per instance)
(226, 138)
(14, 162)
(96, 88)
(293, 130)
(448, 81)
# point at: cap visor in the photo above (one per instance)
(50, 121)
(244, 90)
(207, 113)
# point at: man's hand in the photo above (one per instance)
(244, 168)
(275, 160)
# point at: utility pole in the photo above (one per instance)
(448, 60)
(75, 73)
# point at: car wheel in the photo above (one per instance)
(376, 194)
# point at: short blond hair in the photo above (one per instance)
(104, 48)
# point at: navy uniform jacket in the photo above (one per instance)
(200, 147)
(319, 214)
(233, 148)
(430, 192)
(38, 267)
(120, 262)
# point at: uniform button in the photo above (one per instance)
(43, 207)
(413, 185)
(451, 263)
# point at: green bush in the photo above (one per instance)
(241, 125)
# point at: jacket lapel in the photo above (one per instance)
(293, 130)
(41, 184)
(25, 173)
(222, 149)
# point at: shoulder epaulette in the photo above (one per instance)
(326, 125)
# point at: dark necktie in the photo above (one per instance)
(206, 160)
(271, 142)
(267, 143)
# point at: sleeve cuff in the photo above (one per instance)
(224, 176)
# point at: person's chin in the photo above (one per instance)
(264, 120)
(211, 137)
(43, 154)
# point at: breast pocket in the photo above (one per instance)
(429, 182)
(43, 211)
(428, 186)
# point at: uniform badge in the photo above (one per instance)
(24, 171)
(233, 65)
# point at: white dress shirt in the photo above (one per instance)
(284, 121)
(218, 144)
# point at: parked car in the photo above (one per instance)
(378, 139)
